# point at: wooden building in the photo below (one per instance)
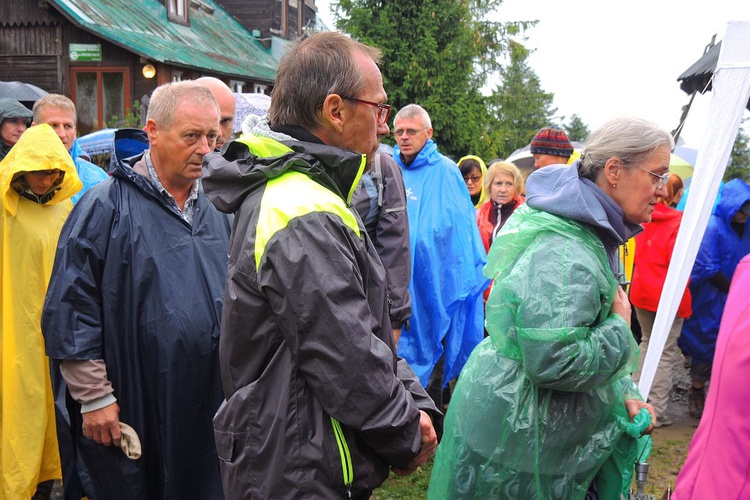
(108, 54)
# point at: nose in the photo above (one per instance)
(383, 129)
(205, 145)
(662, 192)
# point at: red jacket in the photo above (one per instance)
(653, 251)
(486, 227)
(483, 220)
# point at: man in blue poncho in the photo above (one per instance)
(447, 256)
(59, 112)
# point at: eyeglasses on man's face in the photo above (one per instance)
(384, 110)
(662, 179)
(411, 132)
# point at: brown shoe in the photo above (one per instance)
(696, 401)
(663, 422)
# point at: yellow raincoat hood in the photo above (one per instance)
(39, 148)
(483, 196)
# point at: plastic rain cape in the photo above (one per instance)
(28, 442)
(538, 409)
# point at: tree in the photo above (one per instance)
(576, 129)
(739, 160)
(518, 107)
(439, 54)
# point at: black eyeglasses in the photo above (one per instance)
(384, 110)
(663, 179)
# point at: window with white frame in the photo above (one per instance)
(177, 11)
(176, 75)
(236, 86)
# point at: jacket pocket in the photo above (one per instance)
(225, 445)
(346, 457)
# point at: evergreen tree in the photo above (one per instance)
(739, 160)
(518, 107)
(438, 54)
(576, 129)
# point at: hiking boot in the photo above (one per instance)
(663, 422)
(696, 401)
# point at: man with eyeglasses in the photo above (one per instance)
(318, 405)
(447, 257)
(38, 178)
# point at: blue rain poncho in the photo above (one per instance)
(720, 251)
(447, 259)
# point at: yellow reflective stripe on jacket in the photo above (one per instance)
(292, 195)
(264, 146)
(346, 458)
(360, 173)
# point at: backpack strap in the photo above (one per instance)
(377, 176)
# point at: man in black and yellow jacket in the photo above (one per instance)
(318, 405)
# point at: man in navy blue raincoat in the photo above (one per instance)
(131, 319)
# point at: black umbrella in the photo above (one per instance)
(21, 91)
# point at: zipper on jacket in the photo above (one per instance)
(346, 458)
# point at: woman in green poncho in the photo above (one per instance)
(541, 406)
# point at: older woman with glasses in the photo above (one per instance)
(545, 406)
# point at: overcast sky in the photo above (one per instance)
(605, 59)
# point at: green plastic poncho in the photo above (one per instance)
(538, 411)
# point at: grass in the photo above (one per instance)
(668, 453)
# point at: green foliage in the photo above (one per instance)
(576, 129)
(739, 162)
(439, 54)
(519, 107)
(131, 119)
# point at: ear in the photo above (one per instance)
(151, 129)
(612, 170)
(334, 112)
(429, 133)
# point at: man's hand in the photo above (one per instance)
(634, 406)
(103, 425)
(429, 444)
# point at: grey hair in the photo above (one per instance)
(628, 138)
(58, 101)
(169, 96)
(312, 69)
(414, 111)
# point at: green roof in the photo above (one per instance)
(214, 41)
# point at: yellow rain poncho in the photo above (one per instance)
(28, 440)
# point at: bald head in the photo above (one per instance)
(225, 98)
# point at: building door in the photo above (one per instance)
(102, 96)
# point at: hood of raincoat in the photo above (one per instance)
(560, 191)
(39, 148)
(482, 194)
(249, 162)
(733, 195)
(10, 108)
